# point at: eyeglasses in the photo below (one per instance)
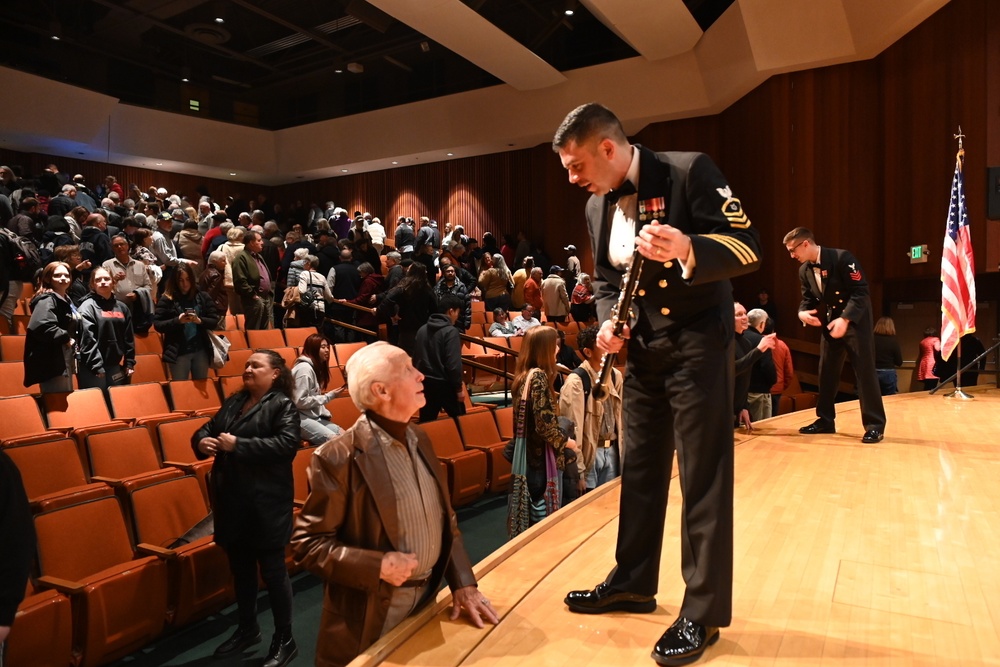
(791, 251)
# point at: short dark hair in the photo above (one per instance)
(448, 302)
(587, 121)
(587, 338)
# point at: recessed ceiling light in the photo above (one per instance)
(220, 20)
(55, 38)
(159, 164)
(395, 162)
(344, 170)
(185, 80)
(338, 71)
(569, 12)
(450, 154)
(232, 173)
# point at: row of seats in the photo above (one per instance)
(149, 366)
(107, 517)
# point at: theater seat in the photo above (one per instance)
(505, 422)
(53, 473)
(22, 421)
(175, 450)
(126, 459)
(199, 572)
(119, 599)
(82, 412)
(199, 397)
(42, 633)
(343, 412)
(479, 431)
(466, 467)
(145, 403)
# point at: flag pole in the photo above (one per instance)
(958, 394)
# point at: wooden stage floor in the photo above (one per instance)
(845, 554)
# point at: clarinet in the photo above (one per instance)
(620, 314)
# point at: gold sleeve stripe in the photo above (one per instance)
(737, 247)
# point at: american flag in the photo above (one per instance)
(958, 272)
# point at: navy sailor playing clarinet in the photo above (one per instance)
(678, 212)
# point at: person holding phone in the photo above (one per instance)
(311, 375)
(185, 315)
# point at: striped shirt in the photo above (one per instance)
(418, 500)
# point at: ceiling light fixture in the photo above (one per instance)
(232, 173)
(395, 162)
(450, 154)
(570, 7)
(344, 170)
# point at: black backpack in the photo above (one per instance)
(584, 376)
(22, 254)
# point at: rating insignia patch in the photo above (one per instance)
(855, 273)
(733, 209)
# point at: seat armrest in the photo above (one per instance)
(62, 585)
(153, 550)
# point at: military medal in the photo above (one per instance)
(650, 209)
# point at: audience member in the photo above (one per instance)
(186, 315)
(555, 299)
(311, 376)
(526, 320)
(372, 284)
(598, 423)
(213, 282)
(572, 261)
(254, 284)
(133, 283)
(970, 347)
(747, 352)
(53, 333)
(520, 277)
(253, 439)
(763, 374)
(930, 346)
(107, 342)
(496, 284)
(502, 326)
(439, 358)
(342, 532)
(583, 306)
(539, 442)
(17, 531)
(888, 356)
(409, 305)
(450, 284)
(783, 368)
(533, 290)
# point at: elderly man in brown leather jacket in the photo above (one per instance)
(378, 526)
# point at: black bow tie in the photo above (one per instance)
(624, 190)
(814, 265)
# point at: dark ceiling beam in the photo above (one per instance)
(169, 28)
(306, 32)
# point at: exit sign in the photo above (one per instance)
(918, 254)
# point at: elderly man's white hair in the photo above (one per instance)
(68, 187)
(756, 316)
(244, 216)
(375, 362)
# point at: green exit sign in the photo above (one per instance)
(918, 254)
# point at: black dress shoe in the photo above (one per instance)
(872, 436)
(242, 639)
(283, 650)
(603, 599)
(683, 642)
(818, 426)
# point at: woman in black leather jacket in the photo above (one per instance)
(253, 438)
